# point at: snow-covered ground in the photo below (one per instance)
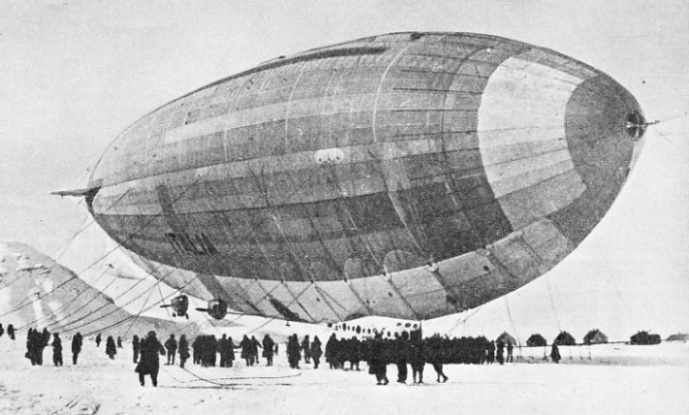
(641, 379)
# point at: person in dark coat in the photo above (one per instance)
(417, 358)
(201, 344)
(306, 348)
(196, 354)
(77, 341)
(491, 352)
(171, 347)
(354, 355)
(500, 355)
(10, 331)
(110, 348)
(226, 349)
(510, 349)
(268, 349)
(255, 345)
(149, 363)
(293, 351)
(555, 353)
(316, 352)
(135, 347)
(57, 350)
(212, 351)
(42, 340)
(245, 344)
(332, 351)
(400, 354)
(98, 339)
(230, 352)
(435, 354)
(377, 360)
(222, 349)
(30, 347)
(119, 342)
(183, 348)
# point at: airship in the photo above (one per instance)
(408, 175)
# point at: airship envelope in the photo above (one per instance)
(408, 175)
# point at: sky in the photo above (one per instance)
(74, 74)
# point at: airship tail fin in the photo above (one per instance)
(88, 192)
(76, 192)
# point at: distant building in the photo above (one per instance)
(506, 338)
(679, 337)
(644, 337)
(595, 336)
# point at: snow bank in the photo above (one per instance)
(103, 386)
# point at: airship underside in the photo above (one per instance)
(408, 175)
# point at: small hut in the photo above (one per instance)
(678, 337)
(644, 337)
(565, 339)
(536, 340)
(506, 338)
(595, 336)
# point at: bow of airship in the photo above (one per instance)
(408, 175)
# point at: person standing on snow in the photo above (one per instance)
(135, 346)
(500, 355)
(435, 354)
(41, 341)
(268, 349)
(293, 351)
(417, 356)
(555, 353)
(149, 363)
(401, 351)
(306, 347)
(77, 341)
(316, 351)
(255, 345)
(245, 344)
(183, 350)
(171, 347)
(110, 348)
(332, 350)
(378, 360)
(57, 350)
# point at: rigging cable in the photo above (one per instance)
(67, 303)
(76, 275)
(141, 310)
(117, 308)
(99, 293)
(64, 247)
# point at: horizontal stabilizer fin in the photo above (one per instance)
(76, 192)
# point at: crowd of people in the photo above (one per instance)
(407, 348)
(403, 350)
(37, 341)
(10, 331)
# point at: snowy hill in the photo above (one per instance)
(36, 291)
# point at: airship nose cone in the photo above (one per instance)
(604, 128)
(557, 140)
